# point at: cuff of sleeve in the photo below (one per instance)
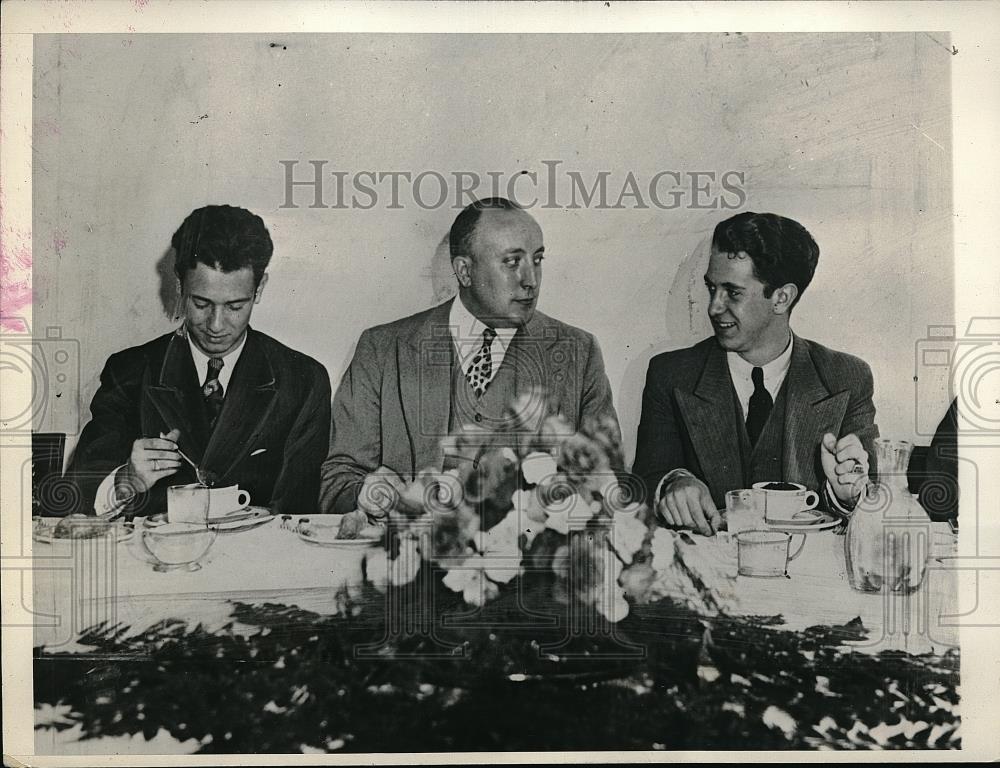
(667, 479)
(835, 504)
(108, 498)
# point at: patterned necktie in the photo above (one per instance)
(760, 406)
(481, 369)
(212, 391)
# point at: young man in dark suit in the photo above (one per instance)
(244, 407)
(755, 402)
(461, 364)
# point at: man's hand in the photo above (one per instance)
(687, 503)
(845, 464)
(152, 459)
(380, 493)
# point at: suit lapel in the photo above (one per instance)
(176, 397)
(423, 364)
(534, 367)
(251, 395)
(810, 410)
(708, 414)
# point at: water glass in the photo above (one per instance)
(893, 461)
(743, 513)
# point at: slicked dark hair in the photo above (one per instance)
(222, 237)
(782, 250)
(463, 230)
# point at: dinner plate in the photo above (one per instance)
(325, 535)
(44, 534)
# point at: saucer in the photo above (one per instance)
(243, 519)
(44, 534)
(803, 517)
(325, 535)
(816, 521)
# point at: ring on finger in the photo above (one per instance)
(156, 466)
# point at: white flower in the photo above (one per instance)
(663, 549)
(523, 522)
(382, 571)
(558, 522)
(469, 579)
(404, 568)
(614, 606)
(377, 568)
(608, 596)
(580, 509)
(627, 534)
(529, 504)
(537, 466)
(501, 553)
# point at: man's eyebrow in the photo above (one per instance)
(196, 297)
(727, 286)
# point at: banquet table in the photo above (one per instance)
(265, 595)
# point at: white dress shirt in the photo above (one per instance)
(774, 375)
(467, 333)
(105, 501)
(229, 362)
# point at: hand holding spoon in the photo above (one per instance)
(205, 477)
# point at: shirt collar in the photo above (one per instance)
(774, 370)
(466, 328)
(230, 359)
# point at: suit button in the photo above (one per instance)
(478, 417)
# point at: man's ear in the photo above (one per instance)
(179, 300)
(783, 298)
(260, 288)
(462, 266)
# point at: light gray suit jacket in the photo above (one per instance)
(393, 405)
(688, 419)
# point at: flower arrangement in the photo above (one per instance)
(531, 497)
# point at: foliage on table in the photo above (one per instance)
(280, 679)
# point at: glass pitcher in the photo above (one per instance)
(888, 537)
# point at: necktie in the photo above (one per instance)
(480, 370)
(759, 407)
(212, 391)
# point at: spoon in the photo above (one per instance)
(205, 477)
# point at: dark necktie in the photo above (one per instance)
(481, 370)
(760, 406)
(212, 391)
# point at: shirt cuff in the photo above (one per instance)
(836, 504)
(106, 500)
(667, 479)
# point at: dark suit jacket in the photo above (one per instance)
(939, 490)
(688, 418)
(277, 399)
(392, 406)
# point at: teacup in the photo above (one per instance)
(196, 503)
(785, 503)
(765, 553)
